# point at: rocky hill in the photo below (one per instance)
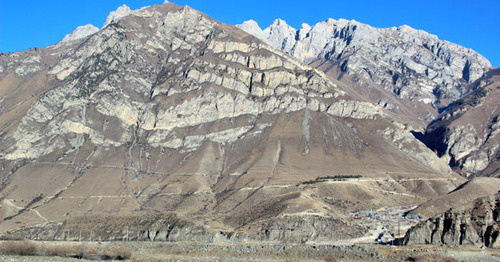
(476, 223)
(466, 135)
(412, 65)
(166, 111)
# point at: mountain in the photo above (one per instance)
(169, 125)
(408, 71)
(467, 134)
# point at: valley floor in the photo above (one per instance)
(189, 251)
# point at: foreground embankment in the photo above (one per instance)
(190, 251)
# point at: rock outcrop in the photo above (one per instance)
(114, 16)
(80, 32)
(466, 135)
(474, 224)
(168, 227)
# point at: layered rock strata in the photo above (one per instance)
(473, 224)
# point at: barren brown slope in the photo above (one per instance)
(167, 111)
(463, 195)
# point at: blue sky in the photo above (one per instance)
(474, 24)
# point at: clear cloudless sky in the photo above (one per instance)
(472, 23)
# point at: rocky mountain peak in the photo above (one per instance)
(120, 12)
(407, 28)
(80, 32)
(253, 27)
(86, 30)
(304, 30)
(279, 23)
(410, 63)
(280, 35)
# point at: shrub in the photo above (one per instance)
(431, 258)
(120, 253)
(29, 248)
(58, 251)
(334, 178)
(19, 248)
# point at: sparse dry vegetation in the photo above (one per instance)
(431, 258)
(333, 178)
(192, 251)
(330, 258)
(82, 250)
(120, 253)
(20, 248)
(57, 251)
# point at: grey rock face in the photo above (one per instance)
(303, 228)
(90, 82)
(80, 32)
(148, 227)
(478, 224)
(288, 229)
(114, 16)
(411, 63)
(406, 143)
(466, 135)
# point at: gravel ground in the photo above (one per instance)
(471, 256)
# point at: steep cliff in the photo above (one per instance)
(477, 223)
(466, 135)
